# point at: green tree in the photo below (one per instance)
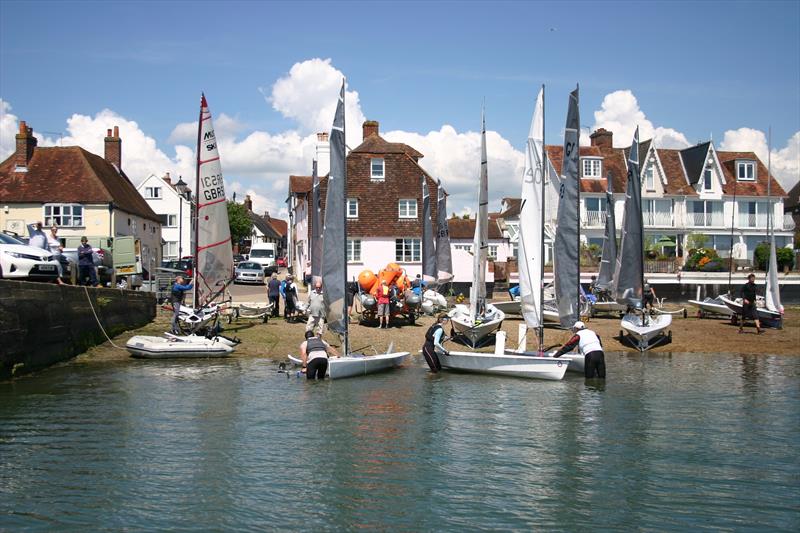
(696, 240)
(239, 220)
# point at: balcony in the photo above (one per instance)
(706, 220)
(593, 219)
(753, 220)
(658, 219)
(788, 222)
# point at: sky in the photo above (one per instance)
(684, 72)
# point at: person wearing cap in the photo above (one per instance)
(86, 264)
(176, 297)
(433, 343)
(590, 346)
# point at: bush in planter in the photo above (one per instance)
(701, 258)
(785, 256)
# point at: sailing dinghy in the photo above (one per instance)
(475, 323)
(334, 266)
(505, 362)
(640, 329)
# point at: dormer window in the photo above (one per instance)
(746, 170)
(376, 169)
(707, 176)
(591, 167)
(649, 179)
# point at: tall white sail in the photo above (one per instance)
(773, 293)
(214, 255)
(480, 242)
(531, 231)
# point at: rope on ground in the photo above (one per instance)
(86, 289)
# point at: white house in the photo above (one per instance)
(172, 202)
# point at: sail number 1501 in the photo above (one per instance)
(214, 187)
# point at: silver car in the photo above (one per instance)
(249, 272)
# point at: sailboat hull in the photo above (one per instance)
(521, 366)
(360, 365)
(712, 306)
(474, 333)
(770, 317)
(511, 307)
(648, 334)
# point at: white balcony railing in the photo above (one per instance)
(593, 219)
(706, 220)
(788, 222)
(660, 219)
(753, 221)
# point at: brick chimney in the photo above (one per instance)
(602, 138)
(266, 216)
(167, 179)
(370, 127)
(26, 142)
(248, 203)
(114, 148)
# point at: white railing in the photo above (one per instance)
(593, 219)
(706, 220)
(788, 222)
(658, 218)
(753, 221)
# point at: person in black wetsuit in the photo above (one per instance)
(314, 354)
(433, 343)
(749, 304)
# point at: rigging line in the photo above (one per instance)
(91, 306)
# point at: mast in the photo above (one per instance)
(346, 320)
(733, 225)
(641, 222)
(195, 217)
(542, 247)
(578, 202)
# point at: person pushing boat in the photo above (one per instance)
(433, 343)
(314, 356)
(590, 346)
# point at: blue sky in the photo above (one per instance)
(698, 68)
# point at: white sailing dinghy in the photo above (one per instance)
(507, 362)
(712, 306)
(475, 323)
(639, 328)
(214, 259)
(334, 265)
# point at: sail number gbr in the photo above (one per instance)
(214, 187)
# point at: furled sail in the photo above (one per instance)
(480, 242)
(773, 293)
(214, 254)
(608, 259)
(316, 225)
(428, 249)
(566, 255)
(531, 231)
(334, 260)
(444, 259)
(629, 270)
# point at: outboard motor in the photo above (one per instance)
(368, 301)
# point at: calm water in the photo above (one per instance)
(671, 442)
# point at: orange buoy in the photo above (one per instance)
(366, 279)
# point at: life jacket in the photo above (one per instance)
(429, 335)
(589, 341)
(316, 345)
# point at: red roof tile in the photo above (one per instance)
(300, 184)
(375, 144)
(758, 187)
(464, 228)
(70, 174)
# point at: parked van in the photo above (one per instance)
(264, 254)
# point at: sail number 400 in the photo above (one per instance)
(215, 187)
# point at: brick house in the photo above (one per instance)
(384, 211)
(83, 193)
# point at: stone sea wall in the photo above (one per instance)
(42, 323)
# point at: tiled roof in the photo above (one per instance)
(375, 144)
(263, 226)
(613, 162)
(300, 184)
(673, 171)
(70, 174)
(281, 226)
(464, 228)
(758, 187)
(513, 207)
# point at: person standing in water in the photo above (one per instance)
(590, 346)
(433, 343)
(314, 355)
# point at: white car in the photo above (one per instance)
(18, 260)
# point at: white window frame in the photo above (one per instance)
(63, 215)
(465, 247)
(708, 175)
(650, 178)
(373, 175)
(172, 221)
(746, 164)
(351, 202)
(153, 193)
(170, 250)
(353, 250)
(404, 206)
(491, 252)
(408, 247)
(594, 169)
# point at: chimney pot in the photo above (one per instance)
(26, 142)
(370, 127)
(108, 132)
(116, 132)
(248, 202)
(23, 127)
(602, 138)
(113, 149)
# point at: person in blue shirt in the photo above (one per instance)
(418, 285)
(513, 292)
(177, 295)
(86, 264)
(433, 343)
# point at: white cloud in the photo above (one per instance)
(9, 126)
(785, 161)
(309, 93)
(224, 126)
(620, 114)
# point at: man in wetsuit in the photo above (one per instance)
(588, 342)
(749, 304)
(433, 343)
